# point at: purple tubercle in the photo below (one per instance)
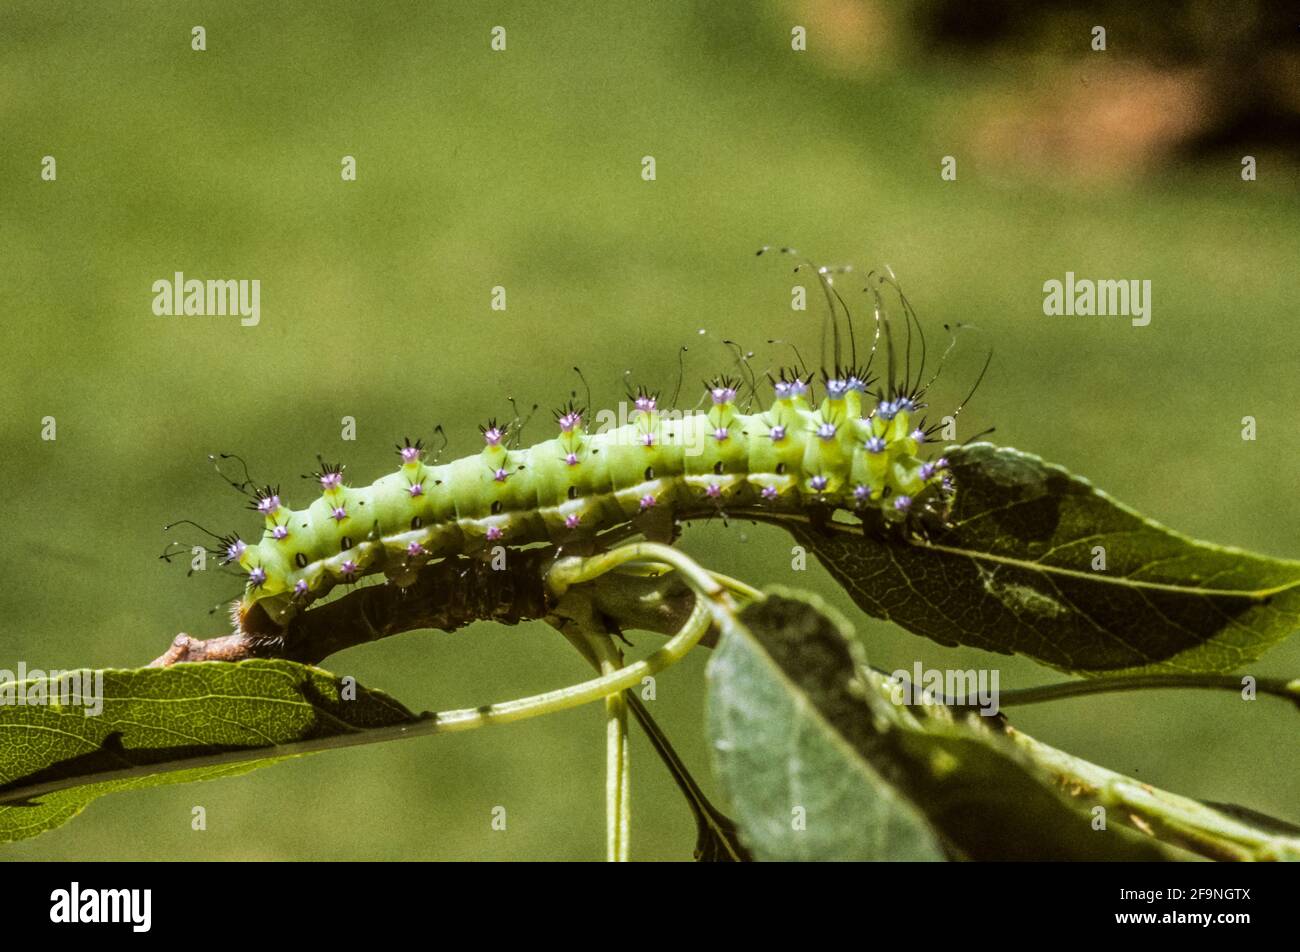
(769, 492)
(415, 550)
(236, 550)
(713, 490)
(941, 463)
(493, 436)
(789, 389)
(493, 533)
(572, 520)
(903, 503)
(501, 475)
(720, 434)
(836, 389)
(875, 444)
(645, 404)
(280, 532)
(926, 472)
(331, 481)
(570, 421)
(268, 504)
(886, 409)
(339, 513)
(647, 439)
(300, 587)
(826, 431)
(818, 483)
(723, 395)
(257, 576)
(348, 569)
(777, 433)
(861, 492)
(647, 502)
(919, 435)
(571, 459)
(416, 489)
(411, 454)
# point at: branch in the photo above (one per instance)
(446, 595)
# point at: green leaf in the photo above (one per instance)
(169, 725)
(1014, 573)
(798, 787)
(819, 763)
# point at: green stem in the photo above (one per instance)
(618, 772)
(709, 592)
(1171, 818)
(716, 835)
(1277, 687)
(736, 587)
(578, 694)
(580, 621)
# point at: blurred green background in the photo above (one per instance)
(522, 169)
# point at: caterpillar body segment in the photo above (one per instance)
(790, 457)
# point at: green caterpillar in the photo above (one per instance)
(796, 456)
(791, 456)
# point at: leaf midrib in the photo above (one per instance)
(1258, 595)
